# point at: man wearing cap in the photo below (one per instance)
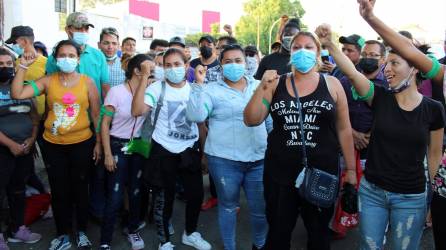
(280, 61)
(351, 47)
(22, 38)
(177, 43)
(208, 58)
(252, 59)
(92, 61)
(109, 45)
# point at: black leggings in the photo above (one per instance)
(283, 205)
(438, 210)
(14, 171)
(169, 167)
(67, 167)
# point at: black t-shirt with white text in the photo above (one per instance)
(399, 141)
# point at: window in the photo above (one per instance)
(60, 6)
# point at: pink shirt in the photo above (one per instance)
(122, 124)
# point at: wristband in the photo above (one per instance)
(266, 103)
(34, 86)
(23, 66)
(367, 96)
(434, 70)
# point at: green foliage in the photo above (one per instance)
(264, 13)
(192, 39)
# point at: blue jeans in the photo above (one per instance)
(229, 176)
(128, 173)
(406, 214)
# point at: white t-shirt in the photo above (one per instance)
(173, 131)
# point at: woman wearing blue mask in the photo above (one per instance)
(234, 151)
(72, 99)
(174, 149)
(327, 129)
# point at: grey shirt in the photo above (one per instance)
(15, 121)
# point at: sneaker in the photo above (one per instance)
(194, 240)
(210, 203)
(24, 235)
(83, 242)
(136, 241)
(60, 243)
(104, 247)
(166, 246)
(3, 245)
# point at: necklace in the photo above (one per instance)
(64, 80)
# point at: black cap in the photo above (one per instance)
(208, 38)
(177, 40)
(352, 39)
(251, 48)
(19, 31)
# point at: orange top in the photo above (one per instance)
(67, 121)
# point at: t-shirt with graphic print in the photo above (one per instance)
(213, 71)
(15, 121)
(173, 130)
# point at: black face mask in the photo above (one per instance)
(206, 52)
(368, 65)
(6, 73)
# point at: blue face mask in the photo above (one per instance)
(158, 73)
(303, 60)
(17, 49)
(175, 75)
(111, 58)
(80, 38)
(234, 71)
(66, 64)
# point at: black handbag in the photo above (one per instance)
(317, 186)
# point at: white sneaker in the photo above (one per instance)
(166, 246)
(136, 241)
(194, 240)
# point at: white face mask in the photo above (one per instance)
(251, 65)
(404, 84)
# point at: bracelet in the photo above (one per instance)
(434, 70)
(34, 86)
(23, 66)
(266, 103)
(367, 96)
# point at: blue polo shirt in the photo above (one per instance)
(92, 63)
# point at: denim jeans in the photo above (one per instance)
(128, 173)
(405, 213)
(229, 176)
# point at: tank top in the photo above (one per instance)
(283, 156)
(67, 121)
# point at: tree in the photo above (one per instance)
(264, 13)
(192, 39)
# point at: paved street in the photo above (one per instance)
(208, 226)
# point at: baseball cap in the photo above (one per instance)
(177, 40)
(352, 39)
(19, 31)
(208, 38)
(78, 20)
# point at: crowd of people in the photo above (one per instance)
(122, 133)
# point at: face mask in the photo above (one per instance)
(6, 74)
(286, 42)
(175, 75)
(111, 58)
(66, 64)
(404, 84)
(206, 52)
(303, 60)
(251, 66)
(234, 71)
(158, 73)
(81, 38)
(368, 65)
(17, 49)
